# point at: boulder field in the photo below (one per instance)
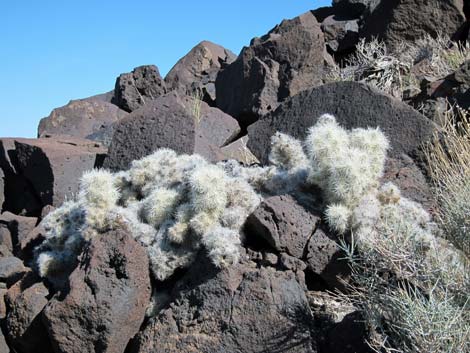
(277, 298)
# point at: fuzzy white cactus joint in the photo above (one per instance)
(98, 195)
(338, 217)
(222, 245)
(159, 206)
(287, 152)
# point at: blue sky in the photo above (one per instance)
(53, 51)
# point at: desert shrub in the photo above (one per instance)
(400, 72)
(411, 284)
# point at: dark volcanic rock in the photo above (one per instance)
(195, 73)
(341, 34)
(171, 122)
(19, 195)
(325, 259)
(11, 269)
(2, 189)
(84, 118)
(109, 293)
(137, 88)
(18, 226)
(353, 332)
(404, 173)
(3, 344)
(409, 20)
(287, 60)
(53, 166)
(455, 87)
(5, 237)
(354, 105)
(355, 8)
(284, 224)
(24, 326)
(241, 309)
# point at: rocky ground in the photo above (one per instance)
(276, 298)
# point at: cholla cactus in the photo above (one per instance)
(174, 205)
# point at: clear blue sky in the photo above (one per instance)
(52, 51)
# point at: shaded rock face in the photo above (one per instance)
(18, 228)
(2, 189)
(171, 122)
(455, 87)
(287, 60)
(355, 8)
(11, 269)
(284, 224)
(18, 194)
(105, 305)
(137, 88)
(354, 105)
(241, 309)
(341, 33)
(25, 329)
(3, 344)
(395, 21)
(47, 169)
(195, 73)
(84, 118)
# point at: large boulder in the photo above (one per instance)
(408, 20)
(287, 60)
(18, 227)
(455, 87)
(84, 118)
(240, 309)
(181, 123)
(341, 33)
(108, 296)
(355, 8)
(195, 73)
(137, 88)
(24, 326)
(284, 224)
(50, 169)
(18, 195)
(11, 270)
(354, 105)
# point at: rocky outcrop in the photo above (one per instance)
(354, 105)
(410, 20)
(137, 88)
(278, 65)
(181, 123)
(284, 224)
(241, 309)
(11, 269)
(109, 293)
(84, 118)
(2, 189)
(18, 227)
(341, 33)
(26, 331)
(195, 73)
(455, 87)
(48, 168)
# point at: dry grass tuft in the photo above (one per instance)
(399, 73)
(448, 160)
